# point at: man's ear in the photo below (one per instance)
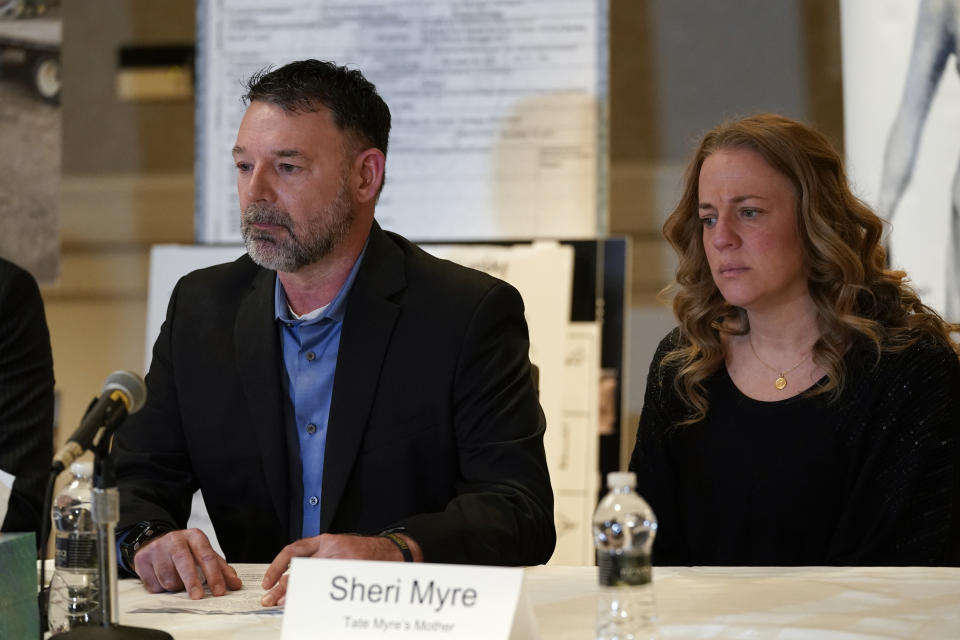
(368, 168)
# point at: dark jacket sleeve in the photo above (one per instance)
(650, 460)
(154, 471)
(26, 397)
(902, 500)
(503, 510)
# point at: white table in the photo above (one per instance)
(758, 603)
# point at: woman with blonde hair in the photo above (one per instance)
(805, 411)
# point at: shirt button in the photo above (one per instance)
(311, 356)
(314, 500)
(311, 428)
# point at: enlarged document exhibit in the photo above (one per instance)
(499, 108)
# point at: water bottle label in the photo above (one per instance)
(624, 569)
(76, 553)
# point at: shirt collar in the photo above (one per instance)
(334, 310)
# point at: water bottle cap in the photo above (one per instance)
(617, 479)
(82, 469)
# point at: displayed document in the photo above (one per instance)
(499, 108)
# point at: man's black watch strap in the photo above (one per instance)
(137, 536)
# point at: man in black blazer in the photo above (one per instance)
(26, 397)
(431, 435)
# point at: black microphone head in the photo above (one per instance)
(130, 385)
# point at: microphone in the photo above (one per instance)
(123, 393)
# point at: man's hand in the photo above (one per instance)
(330, 545)
(181, 560)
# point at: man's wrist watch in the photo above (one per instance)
(139, 535)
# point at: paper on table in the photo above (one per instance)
(242, 601)
(6, 486)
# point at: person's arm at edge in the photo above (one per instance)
(26, 406)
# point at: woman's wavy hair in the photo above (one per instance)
(856, 296)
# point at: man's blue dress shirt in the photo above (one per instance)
(310, 345)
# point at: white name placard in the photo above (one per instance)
(358, 599)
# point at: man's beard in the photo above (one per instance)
(288, 251)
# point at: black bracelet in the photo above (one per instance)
(401, 544)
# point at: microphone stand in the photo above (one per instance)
(105, 505)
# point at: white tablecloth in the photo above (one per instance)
(800, 603)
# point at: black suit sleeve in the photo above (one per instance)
(503, 511)
(154, 472)
(902, 502)
(26, 397)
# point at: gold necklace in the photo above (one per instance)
(781, 382)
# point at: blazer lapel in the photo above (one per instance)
(368, 324)
(259, 366)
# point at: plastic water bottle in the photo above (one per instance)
(74, 588)
(623, 530)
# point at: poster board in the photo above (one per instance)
(900, 66)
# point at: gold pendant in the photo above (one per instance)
(780, 383)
